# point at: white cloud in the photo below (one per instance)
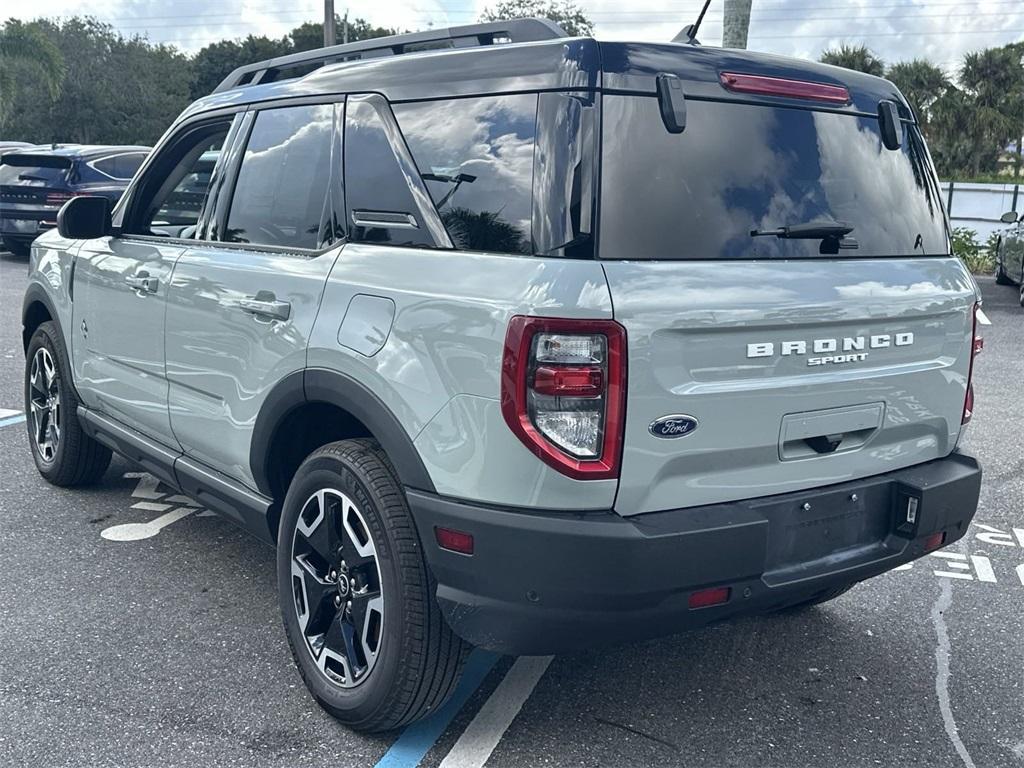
(940, 30)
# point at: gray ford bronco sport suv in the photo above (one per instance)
(522, 341)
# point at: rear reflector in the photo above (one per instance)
(934, 541)
(454, 541)
(705, 598)
(780, 86)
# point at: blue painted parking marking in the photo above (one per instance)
(12, 420)
(417, 739)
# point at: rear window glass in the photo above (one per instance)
(121, 167)
(34, 170)
(738, 168)
(476, 157)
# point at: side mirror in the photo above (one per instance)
(84, 218)
(1010, 217)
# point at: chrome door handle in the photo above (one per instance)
(265, 305)
(142, 283)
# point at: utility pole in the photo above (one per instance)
(736, 23)
(344, 27)
(330, 37)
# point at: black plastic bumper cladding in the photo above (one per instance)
(547, 583)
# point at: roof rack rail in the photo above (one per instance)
(467, 36)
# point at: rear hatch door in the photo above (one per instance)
(33, 187)
(761, 365)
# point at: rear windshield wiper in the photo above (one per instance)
(815, 230)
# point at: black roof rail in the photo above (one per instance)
(467, 36)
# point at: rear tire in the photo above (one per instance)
(1022, 294)
(63, 453)
(357, 598)
(1001, 277)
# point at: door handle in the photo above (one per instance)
(142, 283)
(265, 305)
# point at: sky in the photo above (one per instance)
(897, 30)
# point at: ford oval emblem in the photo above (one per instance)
(676, 425)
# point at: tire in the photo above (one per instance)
(401, 660)
(1022, 294)
(17, 247)
(1001, 277)
(64, 455)
(821, 597)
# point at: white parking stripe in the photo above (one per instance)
(5, 412)
(482, 735)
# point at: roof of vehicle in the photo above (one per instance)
(82, 151)
(559, 63)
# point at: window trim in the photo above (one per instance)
(407, 165)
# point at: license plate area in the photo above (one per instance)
(825, 525)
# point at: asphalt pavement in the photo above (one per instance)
(168, 651)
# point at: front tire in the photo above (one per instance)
(356, 596)
(63, 453)
(1001, 277)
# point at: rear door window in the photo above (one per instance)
(281, 194)
(476, 156)
(738, 168)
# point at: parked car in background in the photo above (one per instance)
(13, 146)
(1010, 253)
(36, 182)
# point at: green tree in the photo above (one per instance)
(218, 60)
(923, 84)
(994, 81)
(25, 47)
(115, 90)
(309, 36)
(858, 57)
(565, 13)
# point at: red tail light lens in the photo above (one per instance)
(977, 344)
(563, 389)
(780, 86)
(58, 198)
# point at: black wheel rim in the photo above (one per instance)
(336, 588)
(44, 404)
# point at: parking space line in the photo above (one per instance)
(482, 735)
(10, 418)
(417, 739)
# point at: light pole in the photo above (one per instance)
(736, 23)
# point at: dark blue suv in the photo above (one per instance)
(35, 183)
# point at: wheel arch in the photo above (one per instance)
(36, 309)
(334, 406)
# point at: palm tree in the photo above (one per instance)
(24, 45)
(923, 84)
(994, 78)
(857, 57)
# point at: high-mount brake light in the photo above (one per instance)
(977, 344)
(563, 392)
(781, 86)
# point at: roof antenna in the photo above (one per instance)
(689, 33)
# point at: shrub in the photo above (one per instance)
(966, 246)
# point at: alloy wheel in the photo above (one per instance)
(336, 586)
(44, 404)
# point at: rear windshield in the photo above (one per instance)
(33, 170)
(739, 168)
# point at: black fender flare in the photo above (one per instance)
(36, 294)
(320, 385)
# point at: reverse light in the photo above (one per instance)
(705, 598)
(563, 388)
(977, 344)
(780, 86)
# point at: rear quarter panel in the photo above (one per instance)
(439, 369)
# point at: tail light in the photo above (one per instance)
(977, 344)
(563, 389)
(781, 86)
(58, 198)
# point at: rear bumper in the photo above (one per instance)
(551, 582)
